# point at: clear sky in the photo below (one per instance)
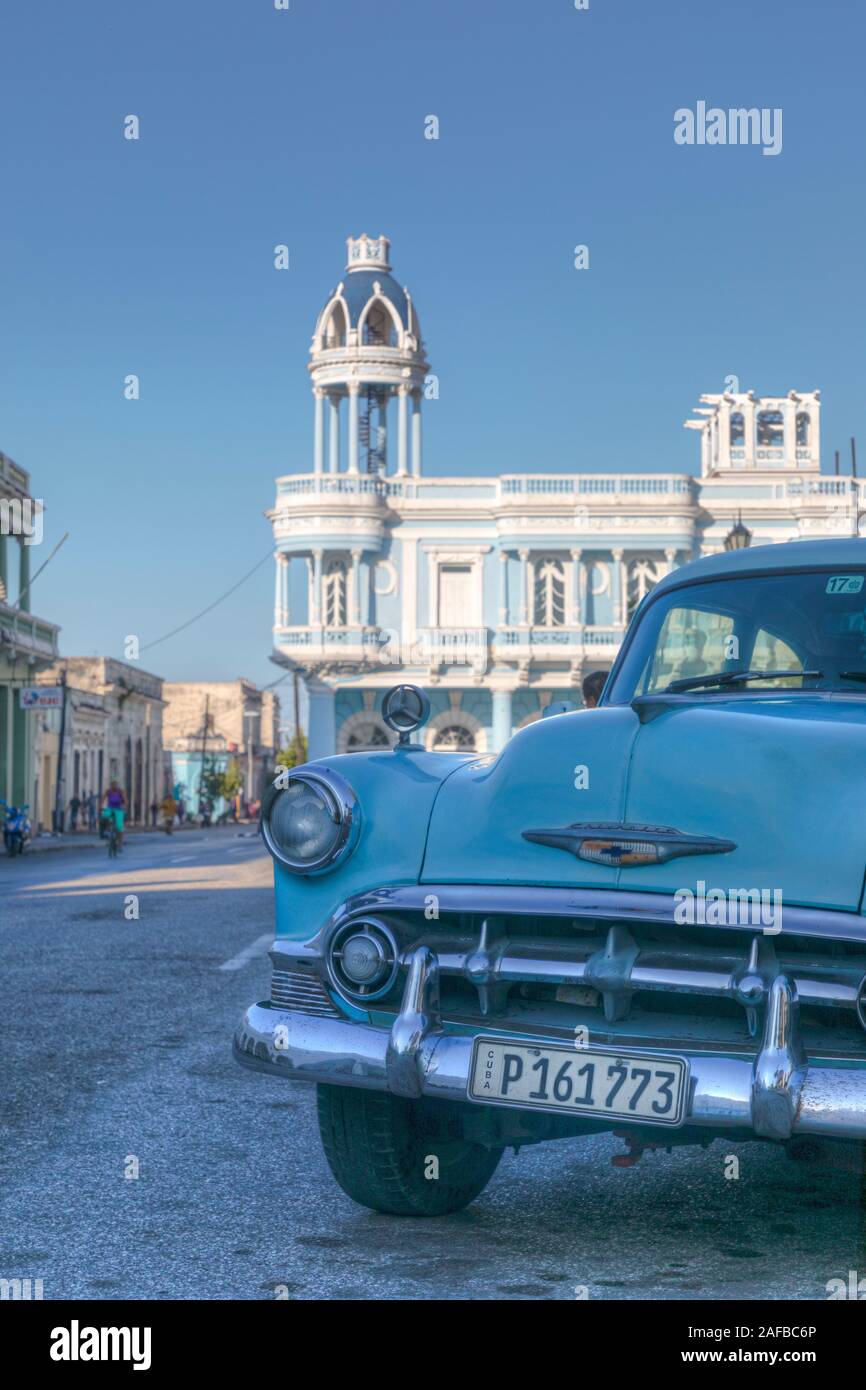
(262, 126)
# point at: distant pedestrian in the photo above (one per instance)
(592, 686)
(154, 812)
(74, 808)
(169, 810)
(181, 810)
(92, 811)
(115, 804)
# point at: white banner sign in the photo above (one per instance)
(40, 696)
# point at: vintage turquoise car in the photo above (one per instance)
(648, 917)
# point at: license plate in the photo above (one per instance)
(587, 1081)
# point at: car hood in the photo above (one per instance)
(784, 778)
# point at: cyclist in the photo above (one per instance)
(115, 806)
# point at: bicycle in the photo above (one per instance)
(112, 838)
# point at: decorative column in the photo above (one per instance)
(503, 588)
(356, 586)
(354, 390)
(24, 575)
(280, 587)
(576, 607)
(416, 434)
(316, 616)
(286, 562)
(620, 589)
(402, 429)
(319, 430)
(524, 585)
(671, 560)
(501, 718)
(749, 431)
(334, 433)
(789, 438)
(321, 725)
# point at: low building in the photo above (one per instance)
(210, 724)
(113, 733)
(27, 644)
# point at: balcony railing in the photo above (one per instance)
(26, 634)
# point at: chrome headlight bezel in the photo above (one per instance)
(342, 804)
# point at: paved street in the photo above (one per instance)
(116, 1046)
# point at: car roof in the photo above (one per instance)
(846, 552)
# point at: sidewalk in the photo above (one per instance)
(86, 839)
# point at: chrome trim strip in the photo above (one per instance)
(600, 904)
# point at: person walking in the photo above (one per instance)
(74, 808)
(154, 812)
(169, 810)
(92, 811)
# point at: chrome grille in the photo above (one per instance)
(295, 989)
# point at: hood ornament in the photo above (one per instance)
(627, 846)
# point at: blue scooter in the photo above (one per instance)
(16, 828)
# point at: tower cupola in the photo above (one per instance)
(367, 351)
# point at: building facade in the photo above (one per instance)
(497, 594)
(113, 733)
(27, 644)
(209, 724)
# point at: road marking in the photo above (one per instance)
(184, 859)
(258, 948)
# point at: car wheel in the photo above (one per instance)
(402, 1157)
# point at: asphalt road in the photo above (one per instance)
(116, 1046)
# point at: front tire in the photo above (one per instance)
(385, 1152)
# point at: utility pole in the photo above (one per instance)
(203, 751)
(853, 459)
(836, 462)
(297, 714)
(59, 789)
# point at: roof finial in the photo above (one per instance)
(368, 253)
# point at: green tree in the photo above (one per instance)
(211, 780)
(232, 780)
(294, 753)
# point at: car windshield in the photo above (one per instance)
(781, 631)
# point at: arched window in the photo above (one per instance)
(642, 576)
(770, 428)
(334, 585)
(453, 738)
(334, 331)
(803, 427)
(379, 329)
(549, 604)
(738, 429)
(366, 736)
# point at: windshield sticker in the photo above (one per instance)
(844, 584)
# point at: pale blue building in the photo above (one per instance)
(497, 594)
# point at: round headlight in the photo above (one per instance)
(312, 822)
(363, 959)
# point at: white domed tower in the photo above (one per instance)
(367, 350)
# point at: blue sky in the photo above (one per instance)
(303, 126)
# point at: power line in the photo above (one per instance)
(189, 622)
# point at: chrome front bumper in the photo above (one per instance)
(777, 1094)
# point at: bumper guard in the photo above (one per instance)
(777, 1094)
